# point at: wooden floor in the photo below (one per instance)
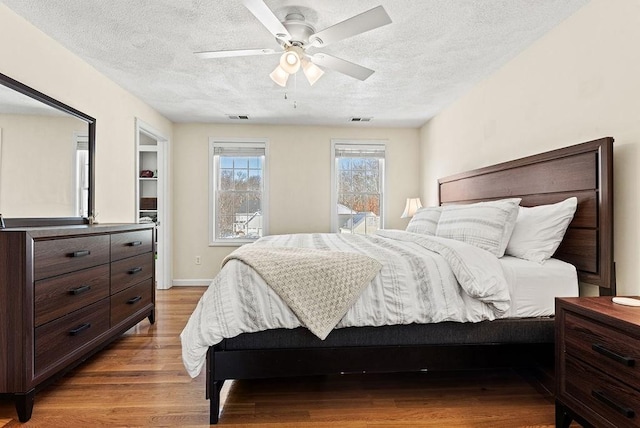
(140, 381)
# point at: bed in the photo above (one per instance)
(583, 170)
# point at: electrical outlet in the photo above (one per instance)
(198, 260)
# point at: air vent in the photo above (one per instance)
(238, 117)
(360, 119)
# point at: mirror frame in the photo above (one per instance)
(91, 122)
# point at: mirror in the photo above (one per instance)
(47, 152)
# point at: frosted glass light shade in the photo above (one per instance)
(279, 76)
(413, 205)
(290, 62)
(311, 71)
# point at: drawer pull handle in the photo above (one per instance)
(627, 361)
(80, 290)
(80, 253)
(135, 270)
(82, 327)
(135, 243)
(627, 412)
(134, 300)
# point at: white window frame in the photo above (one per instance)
(362, 145)
(213, 187)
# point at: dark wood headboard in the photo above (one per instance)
(585, 171)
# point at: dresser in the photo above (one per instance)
(65, 293)
(597, 362)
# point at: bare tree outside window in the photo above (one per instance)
(359, 180)
(239, 197)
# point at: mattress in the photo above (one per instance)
(533, 286)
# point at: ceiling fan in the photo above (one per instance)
(295, 36)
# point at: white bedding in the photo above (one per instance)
(423, 280)
(534, 286)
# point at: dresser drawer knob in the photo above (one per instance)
(134, 300)
(80, 290)
(627, 361)
(627, 412)
(80, 253)
(82, 327)
(135, 243)
(135, 270)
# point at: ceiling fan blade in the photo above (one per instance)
(261, 11)
(369, 20)
(234, 52)
(345, 67)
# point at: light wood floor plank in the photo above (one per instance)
(140, 381)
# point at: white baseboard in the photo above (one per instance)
(191, 282)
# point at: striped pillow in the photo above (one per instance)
(487, 225)
(425, 221)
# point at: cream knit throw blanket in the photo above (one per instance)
(318, 285)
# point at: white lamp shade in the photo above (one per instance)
(311, 71)
(290, 61)
(279, 76)
(413, 205)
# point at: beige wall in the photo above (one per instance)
(38, 165)
(579, 82)
(30, 56)
(299, 183)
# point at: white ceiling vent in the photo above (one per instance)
(238, 116)
(360, 119)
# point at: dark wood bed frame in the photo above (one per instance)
(584, 170)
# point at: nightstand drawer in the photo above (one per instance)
(612, 351)
(59, 256)
(130, 244)
(127, 272)
(130, 301)
(60, 295)
(56, 340)
(615, 402)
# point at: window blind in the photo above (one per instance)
(238, 151)
(359, 151)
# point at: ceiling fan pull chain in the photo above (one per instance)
(295, 88)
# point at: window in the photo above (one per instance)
(357, 187)
(238, 197)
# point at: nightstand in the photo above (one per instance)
(597, 362)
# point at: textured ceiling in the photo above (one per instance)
(432, 53)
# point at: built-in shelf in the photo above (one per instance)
(152, 194)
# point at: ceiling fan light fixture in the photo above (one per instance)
(311, 71)
(280, 76)
(290, 59)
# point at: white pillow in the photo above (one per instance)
(425, 221)
(487, 225)
(539, 230)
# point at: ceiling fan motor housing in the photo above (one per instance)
(299, 29)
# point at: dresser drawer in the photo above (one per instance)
(60, 295)
(127, 272)
(615, 402)
(128, 244)
(55, 340)
(130, 301)
(612, 351)
(59, 256)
